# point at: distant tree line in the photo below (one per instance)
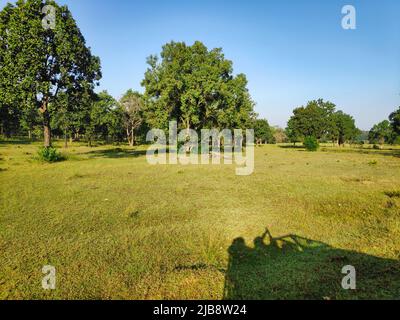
(320, 119)
(387, 131)
(48, 79)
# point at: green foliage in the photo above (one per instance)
(362, 137)
(312, 120)
(196, 87)
(103, 117)
(386, 131)
(262, 131)
(344, 127)
(395, 121)
(311, 143)
(49, 154)
(381, 133)
(321, 120)
(38, 65)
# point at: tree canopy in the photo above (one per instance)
(262, 131)
(381, 133)
(196, 87)
(395, 121)
(320, 119)
(38, 64)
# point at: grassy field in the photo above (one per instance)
(117, 228)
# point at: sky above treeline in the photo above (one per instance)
(291, 51)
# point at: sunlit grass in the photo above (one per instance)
(116, 227)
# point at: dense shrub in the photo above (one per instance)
(49, 154)
(311, 144)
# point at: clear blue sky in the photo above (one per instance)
(292, 51)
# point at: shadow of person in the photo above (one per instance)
(293, 267)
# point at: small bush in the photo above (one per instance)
(311, 144)
(49, 154)
(376, 147)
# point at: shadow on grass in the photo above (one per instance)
(387, 152)
(291, 146)
(116, 153)
(292, 267)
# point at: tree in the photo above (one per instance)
(381, 133)
(344, 127)
(279, 135)
(314, 120)
(29, 118)
(196, 87)
(320, 119)
(395, 121)
(132, 108)
(101, 117)
(9, 116)
(39, 63)
(262, 131)
(72, 112)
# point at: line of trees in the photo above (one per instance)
(321, 120)
(387, 131)
(48, 76)
(48, 79)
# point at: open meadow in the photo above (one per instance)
(116, 227)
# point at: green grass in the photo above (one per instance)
(117, 228)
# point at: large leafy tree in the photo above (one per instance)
(196, 87)
(262, 131)
(313, 120)
(320, 119)
(9, 114)
(395, 121)
(39, 64)
(381, 133)
(344, 127)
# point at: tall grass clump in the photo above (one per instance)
(49, 154)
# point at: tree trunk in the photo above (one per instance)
(65, 139)
(46, 123)
(128, 136)
(188, 147)
(46, 129)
